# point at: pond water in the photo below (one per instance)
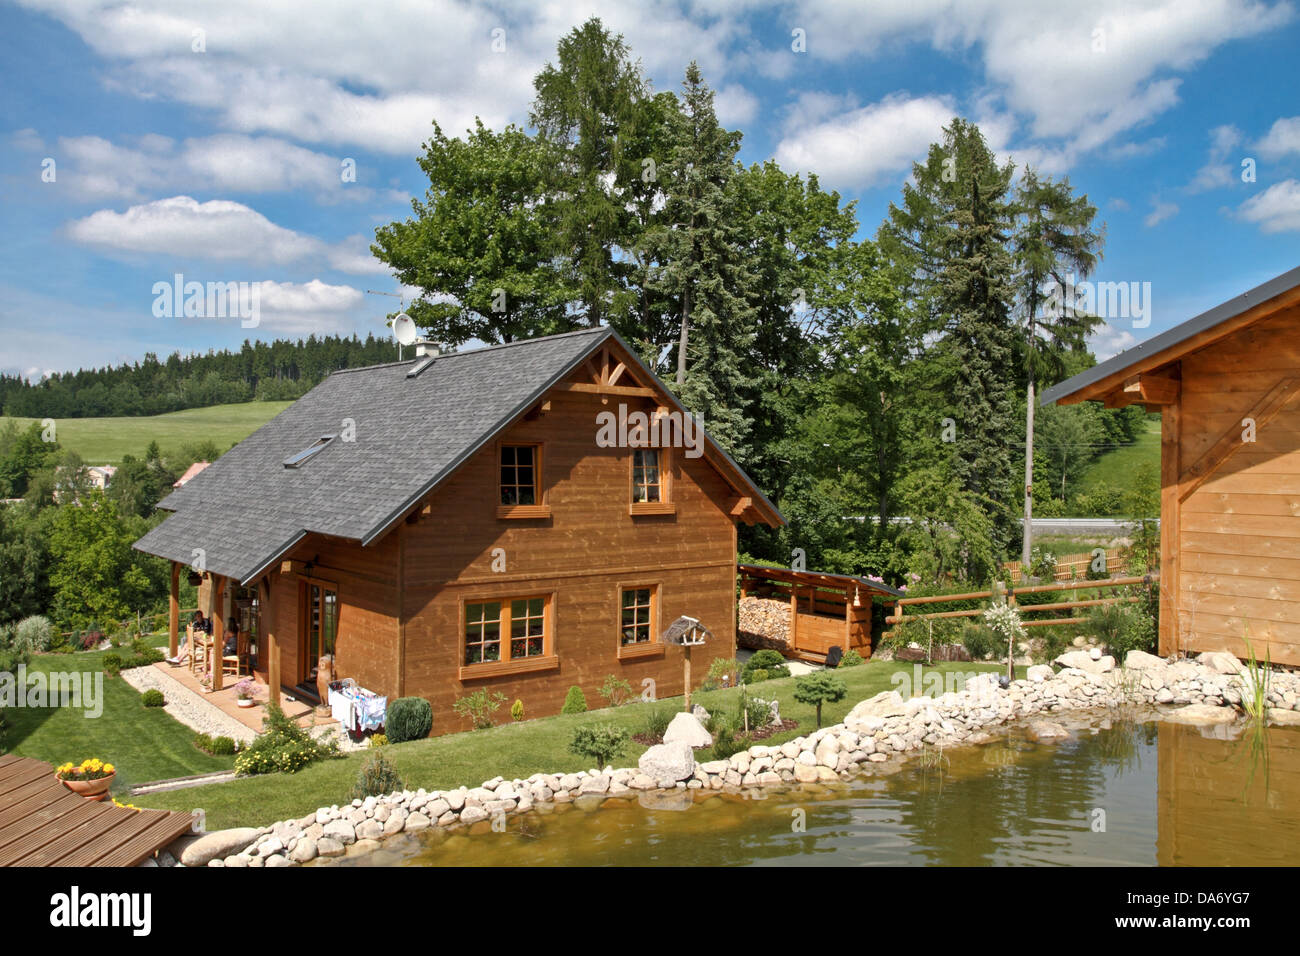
(1115, 793)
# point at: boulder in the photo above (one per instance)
(1047, 730)
(328, 846)
(342, 831)
(303, 851)
(1284, 718)
(686, 728)
(1082, 660)
(1142, 661)
(218, 845)
(888, 703)
(674, 761)
(1039, 673)
(1221, 662)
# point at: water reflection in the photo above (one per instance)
(1122, 792)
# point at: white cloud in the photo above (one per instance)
(218, 230)
(866, 146)
(735, 106)
(1160, 211)
(1218, 171)
(95, 168)
(1276, 209)
(307, 307)
(1107, 340)
(1282, 139)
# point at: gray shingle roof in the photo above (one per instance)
(1172, 337)
(246, 508)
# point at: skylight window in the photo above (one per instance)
(294, 461)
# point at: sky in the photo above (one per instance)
(263, 141)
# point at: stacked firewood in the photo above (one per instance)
(763, 623)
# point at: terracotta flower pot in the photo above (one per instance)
(91, 789)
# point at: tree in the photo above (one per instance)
(478, 244)
(951, 237)
(702, 268)
(599, 743)
(94, 574)
(588, 107)
(23, 452)
(817, 688)
(1055, 243)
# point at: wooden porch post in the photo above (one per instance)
(217, 599)
(272, 645)
(174, 613)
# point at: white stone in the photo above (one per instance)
(668, 762)
(686, 728)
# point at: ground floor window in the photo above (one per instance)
(637, 616)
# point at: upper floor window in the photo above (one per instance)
(520, 484)
(647, 479)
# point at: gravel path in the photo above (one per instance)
(188, 707)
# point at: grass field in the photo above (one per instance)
(1118, 466)
(143, 743)
(103, 441)
(510, 750)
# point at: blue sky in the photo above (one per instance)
(208, 138)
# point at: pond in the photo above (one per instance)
(1114, 793)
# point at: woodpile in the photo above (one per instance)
(763, 623)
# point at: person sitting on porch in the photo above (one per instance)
(232, 637)
(197, 623)
(201, 623)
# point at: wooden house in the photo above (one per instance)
(1226, 385)
(521, 518)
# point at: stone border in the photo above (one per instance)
(886, 727)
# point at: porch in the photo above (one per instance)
(301, 711)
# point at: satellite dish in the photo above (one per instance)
(404, 329)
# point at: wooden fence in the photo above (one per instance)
(898, 616)
(1071, 567)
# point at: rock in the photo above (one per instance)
(342, 831)
(669, 800)
(1221, 662)
(1202, 715)
(686, 728)
(417, 821)
(1284, 718)
(304, 850)
(673, 761)
(886, 704)
(1039, 673)
(218, 845)
(1095, 653)
(328, 846)
(1142, 661)
(700, 713)
(1083, 660)
(473, 815)
(805, 773)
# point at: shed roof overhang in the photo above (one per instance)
(1147, 374)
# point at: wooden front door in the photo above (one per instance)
(318, 628)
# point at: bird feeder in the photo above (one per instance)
(686, 632)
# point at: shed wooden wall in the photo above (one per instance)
(584, 554)
(1238, 534)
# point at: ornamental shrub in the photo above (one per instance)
(574, 701)
(377, 777)
(409, 718)
(616, 691)
(35, 631)
(817, 688)
(112, 664)
(851, 658)
(600, 743)
(378, 740)
(517, 710)
(281, 747)
(657, 720)
(153, 698)
(764, 665)
(479, 707)
(223, 747)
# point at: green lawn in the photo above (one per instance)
(144, 744)
(1117, 467)
(510, 750)
(103, 441)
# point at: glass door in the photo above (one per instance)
(320, 623)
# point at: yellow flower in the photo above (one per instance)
(108, 768)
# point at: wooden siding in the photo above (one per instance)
(583, 554)
(1237, 534)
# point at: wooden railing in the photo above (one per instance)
(1010, 593)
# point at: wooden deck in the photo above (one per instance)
(43, 823)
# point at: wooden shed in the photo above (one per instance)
(1225, 384)
(826, 610)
